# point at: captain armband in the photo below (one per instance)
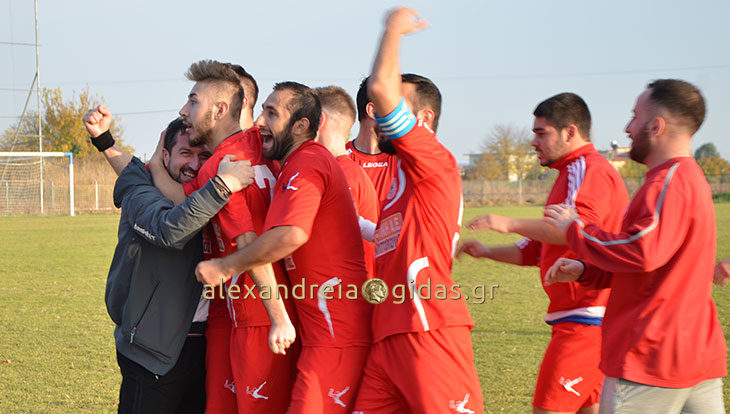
(399, 122)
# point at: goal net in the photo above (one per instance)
(36, 183)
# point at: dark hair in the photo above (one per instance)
(427, 96)
(566, 109)
(173, 128)
(304, 104)
(681, 99)
(249, 80)
(362, 100)
(221, 74)
(335, 99)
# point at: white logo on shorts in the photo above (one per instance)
(336, 395)
(460, 406)
(568, 384)
(231, 386)
(254, 392)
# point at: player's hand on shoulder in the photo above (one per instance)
(210, 272)
(560, 216)
(473, 248)
(722, 272)
(236, 174)
(281, 336)
(402, 20)
(564, 270)
(97, 120)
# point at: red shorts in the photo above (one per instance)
(328, 379)
(569, 377)
(220, 389)
(422, 372)
(264, 380)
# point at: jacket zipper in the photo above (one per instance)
(134, 328)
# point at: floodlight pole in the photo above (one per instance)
(38, 89)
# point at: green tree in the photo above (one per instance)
(714, 166)
(706, 150)
(508, 155)
(63, 130)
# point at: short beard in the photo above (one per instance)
(640, 147)
(281, 146)
(199, 134)
(386, 146)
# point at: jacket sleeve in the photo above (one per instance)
(158, 221)
(653, 231)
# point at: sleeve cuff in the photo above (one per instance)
(397, 123)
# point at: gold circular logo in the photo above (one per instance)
(374, 291)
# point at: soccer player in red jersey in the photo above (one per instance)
(422, 358)
(254, 379)
(338, 116)
(663, 347)
(380, 166)
(569, 379)
(312, 225)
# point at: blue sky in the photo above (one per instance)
(493, 61)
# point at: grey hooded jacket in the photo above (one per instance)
(151, 290)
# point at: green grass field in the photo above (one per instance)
(56, 340)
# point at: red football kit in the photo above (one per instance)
(661, 326)
(381, 168)
(425, 311)
(312, 194)
(588, 182)
(366, 204)
(246, 359)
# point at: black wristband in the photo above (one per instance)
(584, 270)
(221, 186)
(103, 141)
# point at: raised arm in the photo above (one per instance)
(384, 87)
(97, 122)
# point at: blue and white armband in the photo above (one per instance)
(399, 122)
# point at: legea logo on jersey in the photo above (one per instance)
(375, 164)
(386, 235)
(289, 186)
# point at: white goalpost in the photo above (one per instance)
(36, 183)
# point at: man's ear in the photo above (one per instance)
(571, 131)
(221, 110)
(300, 126)
(426, 115)
(322, 121)
(658, 126)
(370, 110)
(165, 157)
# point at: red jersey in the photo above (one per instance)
(244, 212)
(588, 182)
(661, 325)
(416, 238)
(381, 168)
(312, 194)
(366, 206)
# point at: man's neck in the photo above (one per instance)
(678, 146)
(220, 133)
(367, 141)
(297, 143)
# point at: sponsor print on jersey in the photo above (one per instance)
(382, 164)
(386, 235)
(206, 243)
(217, 231)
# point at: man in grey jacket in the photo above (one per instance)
(152, 294)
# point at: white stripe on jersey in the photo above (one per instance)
(322, 302)
(413, 269)
(401, 187)
(576, 175)
(367, 228)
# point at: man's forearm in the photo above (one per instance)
(505, 254)
(273, 245)
(117, 158)
(385, 82)
(539, 230)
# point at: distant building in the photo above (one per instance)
(616, 156)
